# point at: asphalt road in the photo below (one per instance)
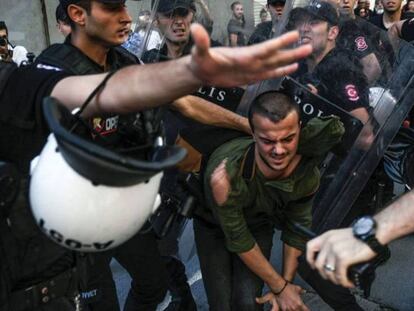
(312, 300)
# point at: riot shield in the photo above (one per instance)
(144, 33)
(358, 73)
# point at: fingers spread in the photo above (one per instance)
(201, 39)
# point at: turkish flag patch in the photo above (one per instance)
(352, 92)
(361, 44)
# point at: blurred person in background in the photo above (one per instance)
(266, 30)
(236, 25)
(62, 21)
(263, 15)
(392, 14)
(134, 42)
(9, 52)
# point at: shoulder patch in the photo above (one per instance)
(352, 92)
(361, 44)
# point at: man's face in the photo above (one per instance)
(391, 6)
(64, 28)
(238, 11)
(314, 32)
(410, 6)
(175, 26)
(4, 40)
(347, 7)
(143, 19)
(276, 142)
(263, 17)
(276, 10)
(108, 24)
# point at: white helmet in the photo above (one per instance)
(86, 197)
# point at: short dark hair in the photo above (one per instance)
(84, 4)
(234, 4)
(273, 105)
(61, 15)
(4, 26)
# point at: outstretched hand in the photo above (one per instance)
(229, 67)
(338, 249)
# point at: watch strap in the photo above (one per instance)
(376, 246)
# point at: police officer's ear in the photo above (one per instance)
(333, 33)
(77, 14)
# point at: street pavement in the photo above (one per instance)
(188, 256)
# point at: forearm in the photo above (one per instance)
(290, 261)
(209, 113)
(257, 262)
(396, 220)
(371, 67)
(131, 89)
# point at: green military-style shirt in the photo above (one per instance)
(257, 202)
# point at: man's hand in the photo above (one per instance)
(268, 298)
(338, 249)
(229, 67)
(290, 300)
(220, 183)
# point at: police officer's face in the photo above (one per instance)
(276, 142)
(391, 5)
(347, 7)
(315, 32)
(175, 26)
(108, 24)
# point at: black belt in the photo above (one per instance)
(62, 285)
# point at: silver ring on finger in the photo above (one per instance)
(328, 267)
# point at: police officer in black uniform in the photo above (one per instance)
(35, 273)
(180, 14)
(93, 51)
(335, 74)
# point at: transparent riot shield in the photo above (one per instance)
(144, 31)
(359, 73)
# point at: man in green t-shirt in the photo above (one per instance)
(253, 185)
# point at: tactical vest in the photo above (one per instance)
(135, 131)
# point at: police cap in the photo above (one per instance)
(167, 6)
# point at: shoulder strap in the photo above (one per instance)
(68, 58)
(248, 166)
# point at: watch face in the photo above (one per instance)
(364, 226)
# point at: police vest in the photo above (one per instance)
(120, 132)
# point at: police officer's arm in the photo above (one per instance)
(289, 294)
(209, 113)
(138, 87)
(341, 248)
(371, 67)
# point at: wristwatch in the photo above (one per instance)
(364, 229)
